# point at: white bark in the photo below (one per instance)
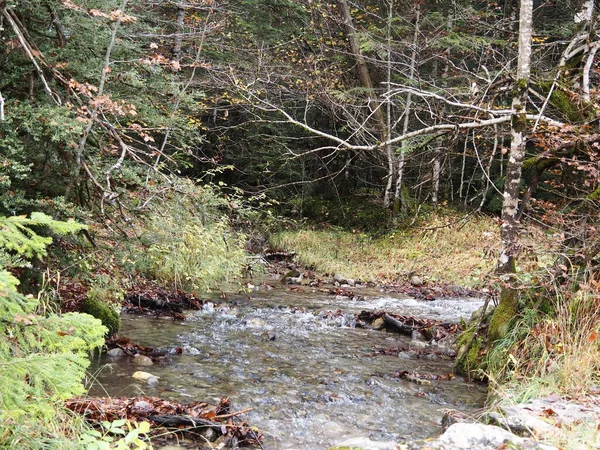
(412, 70)
(1, 108)
(509, 230)
(586, 13)
(389, 152)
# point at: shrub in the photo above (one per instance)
(192, 245)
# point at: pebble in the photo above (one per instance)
(142, 360)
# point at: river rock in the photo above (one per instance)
(362, 443)
(142, 407)
(520, 422)
(143, 376)
(544, 417)
(477, 436)
(115, 352)
(268, 336)
(152, 381)
(337, 278)
(255, 322)
(142, 360)
(416, 281)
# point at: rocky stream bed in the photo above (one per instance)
(306, 371)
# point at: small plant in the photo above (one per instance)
(117, 435)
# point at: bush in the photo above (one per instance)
(192, 245)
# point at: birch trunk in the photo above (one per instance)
(507, 307)
(388, 148)
(399, 202)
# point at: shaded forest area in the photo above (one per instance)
(155, 136)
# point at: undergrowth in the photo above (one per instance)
(189, 241)
(556, 351)
(552, 348)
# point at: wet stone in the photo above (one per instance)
(115, 352)
(142, 360)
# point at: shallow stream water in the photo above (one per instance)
(311, 387)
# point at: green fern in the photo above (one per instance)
(42, 358)
(19, 240)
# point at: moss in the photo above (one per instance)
(504, 313)
(519, 122)
(108, 316)
(469, 357)
(594, 195)
(563, 102)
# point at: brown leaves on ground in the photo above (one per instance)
(188, 419)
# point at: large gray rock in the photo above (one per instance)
(365, 444)
(477, 436)
(521, 422)
(115, 352)
(416, 280)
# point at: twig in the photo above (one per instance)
(227, 416)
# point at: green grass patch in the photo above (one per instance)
(443, 247)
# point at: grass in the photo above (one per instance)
(552, 353)
(557, 352)
(442, 247)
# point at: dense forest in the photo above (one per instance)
(170, 140)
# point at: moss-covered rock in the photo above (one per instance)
(470, 360)
(100, 310)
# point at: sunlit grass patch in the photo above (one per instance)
(442, 247)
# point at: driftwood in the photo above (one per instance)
(186, 421)
(397, 325)
(279, 255)
(154, 299)
(155, 304)
(193, 419)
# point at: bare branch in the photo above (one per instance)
(6, 12)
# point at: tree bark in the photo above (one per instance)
(363, 70)
(178, 38)
(399, 202)
(506, 268)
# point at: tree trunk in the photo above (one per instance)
(388, 148)
(363, 71)
(508, 305)
(178, 38)
(400, 203)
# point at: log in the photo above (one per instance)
(155, 304)
(277, 255)
(187, 421)
(398, 326)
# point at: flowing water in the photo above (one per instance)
(314, 385)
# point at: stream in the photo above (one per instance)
(314, 384)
